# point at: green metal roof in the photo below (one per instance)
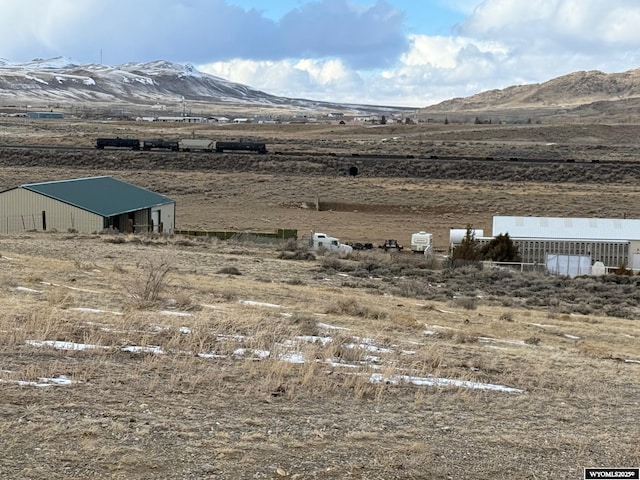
(103, 196)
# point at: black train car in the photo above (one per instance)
(172, 145)
(242, 146)
(132, 143)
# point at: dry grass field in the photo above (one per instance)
(140, 357)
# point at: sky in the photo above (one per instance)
(409, 53)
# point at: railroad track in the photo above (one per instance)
(344, 155)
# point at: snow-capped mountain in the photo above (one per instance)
(63, 80)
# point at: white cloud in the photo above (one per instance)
(302, 78)
(568, 24)
(337, 50)
(444, 52)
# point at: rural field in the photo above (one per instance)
(176, 357)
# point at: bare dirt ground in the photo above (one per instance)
(255, 361)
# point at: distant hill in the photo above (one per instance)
(64, 81)
(591, 93)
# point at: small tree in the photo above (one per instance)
(383, 120)
(501, 249)
(467, 252)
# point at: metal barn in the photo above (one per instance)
(85, 205)
(612, 241)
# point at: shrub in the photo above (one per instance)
(154, 279)
(501, 249)
(349, 306)
(296, 255)
(468, 303)
(229, 271)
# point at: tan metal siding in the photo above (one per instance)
(21, 210)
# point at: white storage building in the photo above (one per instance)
(612, 241)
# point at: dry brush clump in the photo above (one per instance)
(150, 279)
(350, 306)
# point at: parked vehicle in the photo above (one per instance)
(196, 144)
(131, 143)
(322, 241)
(360, 245)
(391, 245)
(422, 242)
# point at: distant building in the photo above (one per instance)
(612, 241)
(183, 119)
(51, 115)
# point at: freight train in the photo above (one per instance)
(184, 145)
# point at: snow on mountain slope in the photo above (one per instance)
(62, 79)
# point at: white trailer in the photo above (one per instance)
(422, 242)
(196, 144)
(322, 241)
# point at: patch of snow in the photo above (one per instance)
(314, 339)
(372, 358)
(368, 348)
(338, 363)
(148, 349)
(185, 330)
(210, 355)
(61, 380)
(329, 327)
(572, 337)
(251, 352)
(174, 313)
(259, 304)
(27, 290)
(59, 345)
(50, 63)
(36, 79)
(631, 360)
(441, 382)
(292, 357)
(542, 325)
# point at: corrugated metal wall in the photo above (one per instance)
(167, 217)
(21, 210)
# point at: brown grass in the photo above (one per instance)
(226, 398)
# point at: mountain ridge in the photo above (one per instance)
(572, 91)
(62, 80)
